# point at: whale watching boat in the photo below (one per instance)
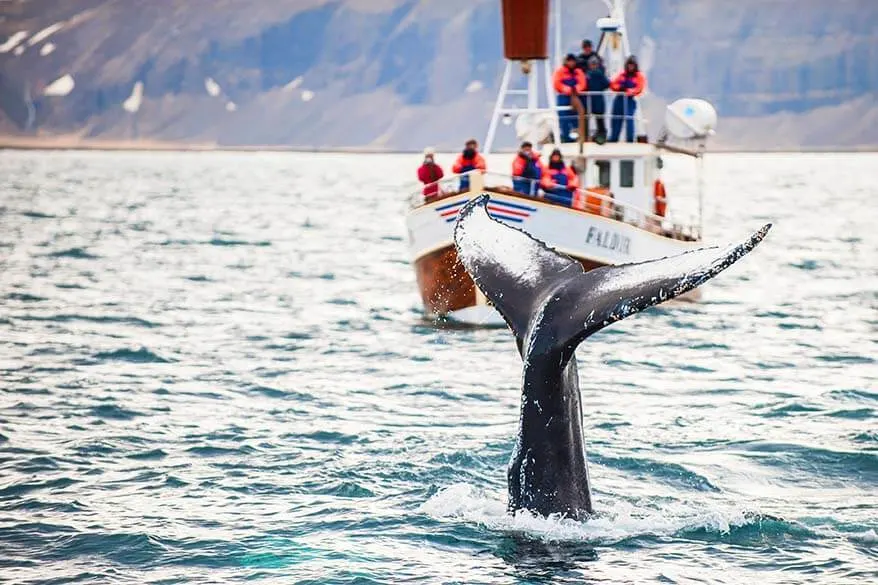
(620, 213)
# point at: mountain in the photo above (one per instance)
(399, 74)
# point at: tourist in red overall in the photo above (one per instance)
(559, 181)
(568, 80)
(632, 82)
(429, 174)
(527, 170)
(468, 160)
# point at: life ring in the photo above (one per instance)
(661, 200)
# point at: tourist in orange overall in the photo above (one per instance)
(468, 160)
(568, 80)
(429, 174)
(632, 82)
(559, 181)
(527, 170)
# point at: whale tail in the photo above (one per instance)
(537, 289)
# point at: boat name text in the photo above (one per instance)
(608, 239)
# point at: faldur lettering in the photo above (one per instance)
(608, 239)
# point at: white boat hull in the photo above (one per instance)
(575, 233)
(594, 240)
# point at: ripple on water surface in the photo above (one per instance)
(213, 372)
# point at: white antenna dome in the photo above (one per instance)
(609, 24)
(690, 118)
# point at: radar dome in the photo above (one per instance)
(690, 118)
(608, 24)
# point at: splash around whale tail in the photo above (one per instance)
(550, 302)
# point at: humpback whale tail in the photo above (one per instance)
(538, 290)
(552, 304)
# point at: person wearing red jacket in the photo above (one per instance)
(527, 170)
(429, 174)
(559, 181)
(568, 80)
(631, 82)
(468, 160)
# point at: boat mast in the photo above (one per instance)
(526, 53)
(614, 47)
(558, 19)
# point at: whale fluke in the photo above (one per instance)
(526, 280)
(551, 304)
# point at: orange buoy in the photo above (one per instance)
(661, 200)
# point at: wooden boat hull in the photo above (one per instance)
(444, 283)
(445, 286)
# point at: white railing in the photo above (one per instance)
(591, 124)
(591, 119)
(584, 200)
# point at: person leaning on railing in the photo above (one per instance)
(632, 82)
(559, 182)
(568, 81)
(429, 174)
(469, 160)
(527, 170)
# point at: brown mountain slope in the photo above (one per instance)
(399, 74)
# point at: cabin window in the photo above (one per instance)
(602, 171)
(626, 173)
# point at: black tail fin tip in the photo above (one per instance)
(521, 276)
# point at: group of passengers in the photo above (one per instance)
(429, 173)
(581, 77)
(557, 180)
(584, 75)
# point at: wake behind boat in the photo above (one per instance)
(611, 206)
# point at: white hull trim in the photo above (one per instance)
(572, 232)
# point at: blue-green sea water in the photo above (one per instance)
(213, 369)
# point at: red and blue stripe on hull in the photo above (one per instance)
(502, 210)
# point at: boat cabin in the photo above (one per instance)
(627, 170)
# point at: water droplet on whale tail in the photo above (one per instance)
(528, 282)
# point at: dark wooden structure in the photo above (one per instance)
(525, 29)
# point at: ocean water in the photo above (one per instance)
(213, 368)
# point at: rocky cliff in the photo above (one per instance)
(399, 74)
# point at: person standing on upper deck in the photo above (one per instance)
(587, 53)
(594, 81)
(469, 160)
(632, 82)
(596, 103)
(429, 174)
(527, 170)
(568, 80)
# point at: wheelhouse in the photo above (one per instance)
(626, 171)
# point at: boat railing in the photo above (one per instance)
(600, 100)
(445, 187)
(583, 200)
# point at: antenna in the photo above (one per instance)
(558, 20)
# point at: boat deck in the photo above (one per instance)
(590, 202)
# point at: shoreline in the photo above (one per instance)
(77, 144)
